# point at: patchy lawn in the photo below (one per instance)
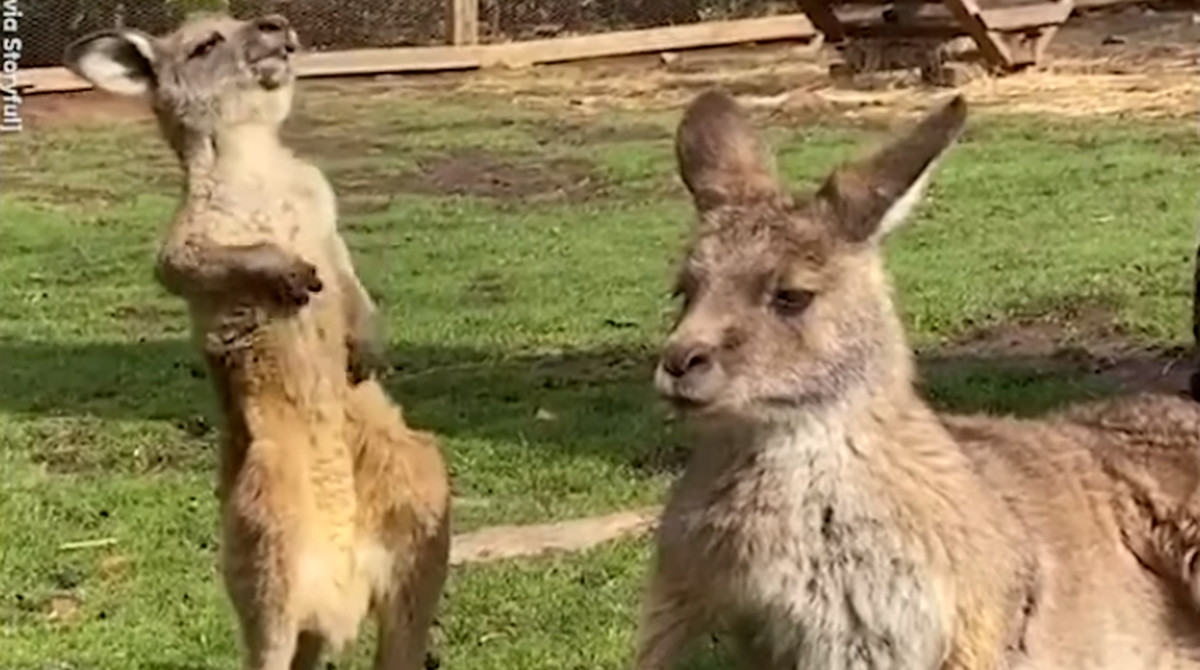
(522, 260)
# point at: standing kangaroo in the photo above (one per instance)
(829, 519)
(330, 504)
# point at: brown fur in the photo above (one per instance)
(330, 505)
(828, 518)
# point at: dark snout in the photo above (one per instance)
(689, 373)
(270, 36)
(270, 42)
(278, 26)
(683, 358)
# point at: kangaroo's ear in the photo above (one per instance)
(119, 61)
(721, 159)
(869, 198)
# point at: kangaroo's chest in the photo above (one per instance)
(293, 208)
(301, 348)
(816, 572)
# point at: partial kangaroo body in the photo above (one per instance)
(1106, 492)
(330, 505)
(828, 518)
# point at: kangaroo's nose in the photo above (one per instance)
(681, 359)
(272, 23)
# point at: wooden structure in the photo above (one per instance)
(1009, 38)
(471, 56)
(462, 22)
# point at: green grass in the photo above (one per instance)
(500, 310)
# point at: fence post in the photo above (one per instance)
(462, 22)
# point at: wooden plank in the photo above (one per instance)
(990, 43)
(36, 80)
(378, 61)
(903, 14)
(871, 10)
(462, 22)
(1003, 18)
(922, 14)
(821, 13)
(308, 64)
(1098, 4)
(442, 58)
(903, 30)
(629, 42)
(926, 20)
(1042, 41)
(1009, 19)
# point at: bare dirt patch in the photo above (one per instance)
(81, 108)
(331, 144)
(1139, 36)
(482, 174)
(1085, 341)
(584, 134)
(474, 173)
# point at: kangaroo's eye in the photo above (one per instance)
(791, 301)
(201, 50)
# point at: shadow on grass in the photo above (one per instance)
(597, 403)
(1019, 385)
(157, 380)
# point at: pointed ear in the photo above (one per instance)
(721, 159)
(869, 198)
(119, 61)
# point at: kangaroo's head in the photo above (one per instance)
(785, 301)
(213, 75)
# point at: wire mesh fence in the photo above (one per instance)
(48, 26)
(505, 20)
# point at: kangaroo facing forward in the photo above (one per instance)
(828, 518)
(330, 504)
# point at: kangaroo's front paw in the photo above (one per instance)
(283, 277)
(364, 360)
(294, 285)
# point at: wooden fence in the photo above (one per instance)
(465, 52)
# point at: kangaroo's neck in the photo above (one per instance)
(251, 155)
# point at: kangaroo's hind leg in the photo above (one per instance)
(406, 614)
(268, 636)
(257, 549)
(404, 494)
